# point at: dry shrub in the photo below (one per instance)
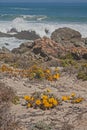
(6, 93)
(7, 122)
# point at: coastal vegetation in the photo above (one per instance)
(43, 83)
(34, 72)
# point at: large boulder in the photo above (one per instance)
(66, 36)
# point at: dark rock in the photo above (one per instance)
(7, 44)
(5, 35)
(27, 35)
(46, 31)
(13, 30)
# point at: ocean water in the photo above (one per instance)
(41, 16)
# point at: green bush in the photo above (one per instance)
(82, 74)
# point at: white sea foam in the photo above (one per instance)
(39, 27)
(12, 42)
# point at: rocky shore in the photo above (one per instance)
(65, 50)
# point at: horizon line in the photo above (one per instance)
(44, 2)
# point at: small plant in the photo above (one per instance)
(40, 126)
(6, 93)
(7, 120)
(68, 62)
(15, 100)
(72, 98)
(82, 74)
(40, 100)
(67, 56)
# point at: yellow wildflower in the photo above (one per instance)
(48, 90)
(28, 105)
(44, 97)
(78, 100)
(50, 105)
(73, 94)
(65, 98)
(32, 98)
(55, 102)
(27, 97)
(4, 68)
(51, 100)
(38, 102)
(56, 76)
(47, 104)
(47, 71)
(44, 101)
(50, 78)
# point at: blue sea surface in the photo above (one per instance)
(54, 12)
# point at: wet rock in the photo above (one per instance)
(46, 31)
(7, 44)
(27, 35)
(13, 30)
(5, 35)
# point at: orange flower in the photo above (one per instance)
(38, 102)
(48, 90)
(44, 97)
(27, 97)
(56, 76)
(46, 104)
(28, 105)
(65, 98)
(73, 94)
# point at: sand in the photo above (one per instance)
(67, 116)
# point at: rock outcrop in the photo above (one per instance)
(48, 49)
(67, 37)
(43, 51)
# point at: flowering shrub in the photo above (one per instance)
(72, 98)
(46, 100)
(40, 100)
(34, 72)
